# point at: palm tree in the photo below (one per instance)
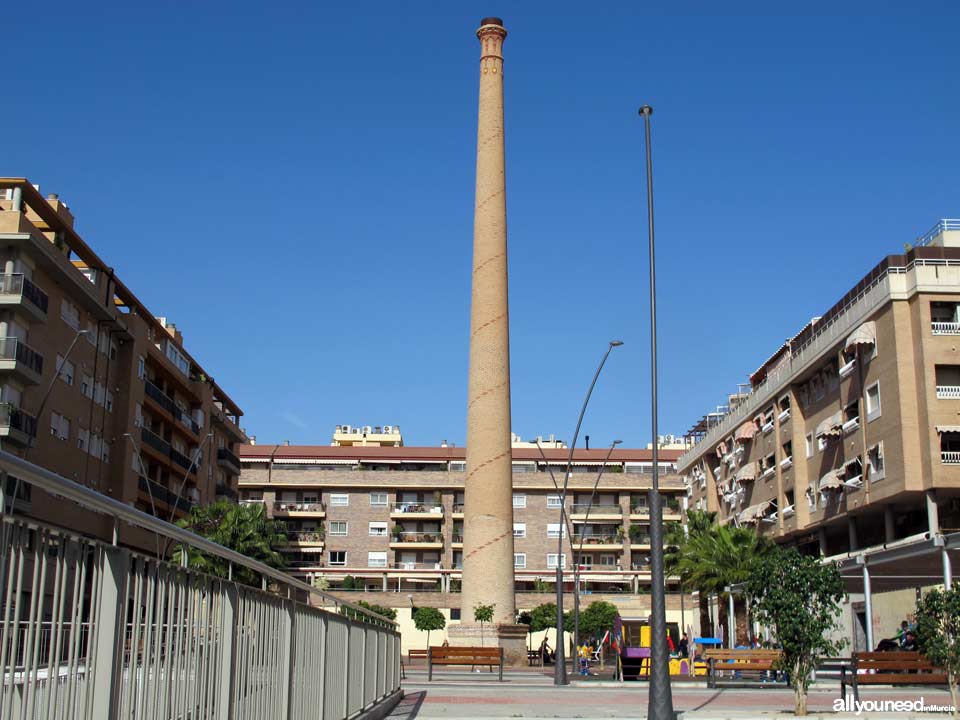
(243, 528)
(699, 522)
(716, 556)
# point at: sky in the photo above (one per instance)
(293, 185)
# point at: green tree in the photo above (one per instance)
(598, 618)
(245, 529)
(483, 614)
(525, 618)
(938, 634)
(428, 619)
(349, 612)
(801, 598)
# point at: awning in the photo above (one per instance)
(721, 449)
(948, 429)
(833, 425)
(866, 334)
(313, 461)
(746, 432)
(833, 480)
(747, 473)
(754, 512)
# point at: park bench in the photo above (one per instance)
(756, 663)
(464, 656)
(534, 657)
(416, 655)
(889, 668)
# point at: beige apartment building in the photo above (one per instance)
(388, 520)
(131, 413)
(848, 442)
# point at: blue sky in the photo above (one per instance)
(293, 186)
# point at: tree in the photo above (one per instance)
(483, 614)
(800, 597)
(525, 618)
(428, 618)
(699, 522)
(938, 634)
(543, 617)
(349, 612)
(598, 618)
(245, 529)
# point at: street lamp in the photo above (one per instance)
(660, 699)
(560, 664)
(579, 553)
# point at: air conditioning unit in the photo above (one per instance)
(388, 429)
(345, 429)
(367, 429)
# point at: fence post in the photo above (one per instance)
(228, 651)
(107, 668)
(290, 646)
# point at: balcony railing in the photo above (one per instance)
(596, 540)
(167, 403)
(642, 510)
(456, 538)
(226, 491)
(305, 536)
(16, 419)
(155, 441)
(417, 507)
(950, 457)
(418, 565)
(458, 507)
(639, 539)
(948, 392)
(417, 537)
(297, 506)
(606, 509)
(194, 645)
(180, 459)
(17, 284)
(164, 495)
(12, 348)
(945, 328)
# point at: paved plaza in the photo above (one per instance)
(475, 696)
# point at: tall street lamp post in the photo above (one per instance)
(660, 699)
(560, 665)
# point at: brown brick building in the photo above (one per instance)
(131, 413)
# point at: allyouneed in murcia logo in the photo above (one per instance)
(858, 707)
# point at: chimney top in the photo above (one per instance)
(492, 21)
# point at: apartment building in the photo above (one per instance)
(849, 437)
(390, 518)
(130, 413)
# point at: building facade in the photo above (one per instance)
(849, 436)
(130, 413)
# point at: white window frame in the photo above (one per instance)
(552, 561)
(67, 371)
(556, 530)
(374, 528)
(335, 524)
(377, 494)
(873, 412)
(339, 563)
(519, 561)
(377, 558)
(876, 475)
(519, 500)
(554, 502)
(608, 560)
(519, 530)
(339, 499)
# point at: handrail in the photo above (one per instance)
(52, 483)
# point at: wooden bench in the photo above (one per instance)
(534, 657)
(889, 668)
(416, 655)
(738, 662)
(464, 656)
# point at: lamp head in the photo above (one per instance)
(618, 442)
(616, 343)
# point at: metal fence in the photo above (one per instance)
(89, 629)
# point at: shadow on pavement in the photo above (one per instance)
(409, 707)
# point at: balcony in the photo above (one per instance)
(417, 510)
(20, 293)
(228, 460)
(182, 460)
(945, 328)
(161, 493)
(599, 513)
(304, 538)
(948, 392)
(458, 511)
(230, 424)
(167, 403)
(639, 512)
(639, 540)
(226, 491)
(17, 426)
(298, 508)
(432, 540)
(417, 566)
(456, 541)
(152, 440)
(21, 360)
(950, 457)
(597, 542)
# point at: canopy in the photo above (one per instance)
(754, 512)
(833, 425)
(746, 432)
(866, 334)
(747, 473)
(833, 480)
(948, 429)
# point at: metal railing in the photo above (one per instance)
(948, 392)
(458, 507)
(12, 348)
(595, 509)
(945, 328)
(13, 417)
(417, 537)
(287, 506)
(939, 228)
(164, 494)
(418, 507)
(89, 629)
(305, 536)
(950, 457)
(595, 539)
(412, 565)
(17, 284)
(227, 455)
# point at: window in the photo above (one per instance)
(99, 394)
(338, 558)
(873, 402)
(141, 367)
(454, 613)
(83, 439)
(66, 370)
(341, 499)
(875, 461)
(519, 530)
(338, 527)
(458, 466)
(378, 529)
(519, 501)
(70, 314)
(552, 561)
(86, 386)
(376, 559)
(108, 404)
(90, 274)
(95, 444)
(378, 499)
(519, 561)
(59, 426)
(787, 448)
(553, 501)
(608, 560)
(553, 530)
(178, 358)
(105, 452)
